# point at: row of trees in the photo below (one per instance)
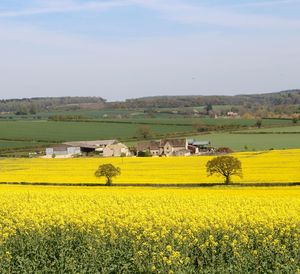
(290, 97)
(34, 105)
(225, 166)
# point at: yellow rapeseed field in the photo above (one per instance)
(139, 230)
(264, 166)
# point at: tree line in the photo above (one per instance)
(261, 105)
(289, 97)
(35, 105)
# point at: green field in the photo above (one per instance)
(204, 121)
(292, 129)
(165, 116)
(238, 142)
(64, 131)
(26, 133)
(211, 121)
(16, 144)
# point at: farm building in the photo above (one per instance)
(199, 146)
(107, 148)
(116, 150)
(174, 147)
(92, 146)
(168, 147)
(182, 152)
(232, 114)
(153, 147)
(62, 150)
(193, 149)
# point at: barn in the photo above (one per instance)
(63, 150)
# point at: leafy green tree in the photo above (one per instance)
(109, 171)
(225, 166)
(295, 120)
(259, 123)
(144, 131)
(32, 109)
(208, 108)
(199, 127)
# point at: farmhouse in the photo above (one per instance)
(116, 150)
(173, 146)
(153, 147)
(167, 147)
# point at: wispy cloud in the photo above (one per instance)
(41, 61)
(46, 7)
(268, 3)
(217, 16)
(176, 10)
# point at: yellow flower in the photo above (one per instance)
(169, 248)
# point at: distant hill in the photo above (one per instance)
(248, 101)
(288, 97)
(34, 105)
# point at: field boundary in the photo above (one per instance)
(186, 185)
(264, 132)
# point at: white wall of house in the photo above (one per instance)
(116, 150)
(168, 149)
(108, 152)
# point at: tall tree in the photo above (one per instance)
(109, 171)
(208, 108)
(226, 166)
(144, 131)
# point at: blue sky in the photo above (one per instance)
(130, 48)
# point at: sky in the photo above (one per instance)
(120, 49)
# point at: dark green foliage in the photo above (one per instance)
(290, 97)
(208, 108)
(34, 105)
(144, 131)
(295, 120)
(144, 154)
(258, 123)
(226, 166)
(69, 249)
(66, 118)
(108, 171)
(66, 250)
